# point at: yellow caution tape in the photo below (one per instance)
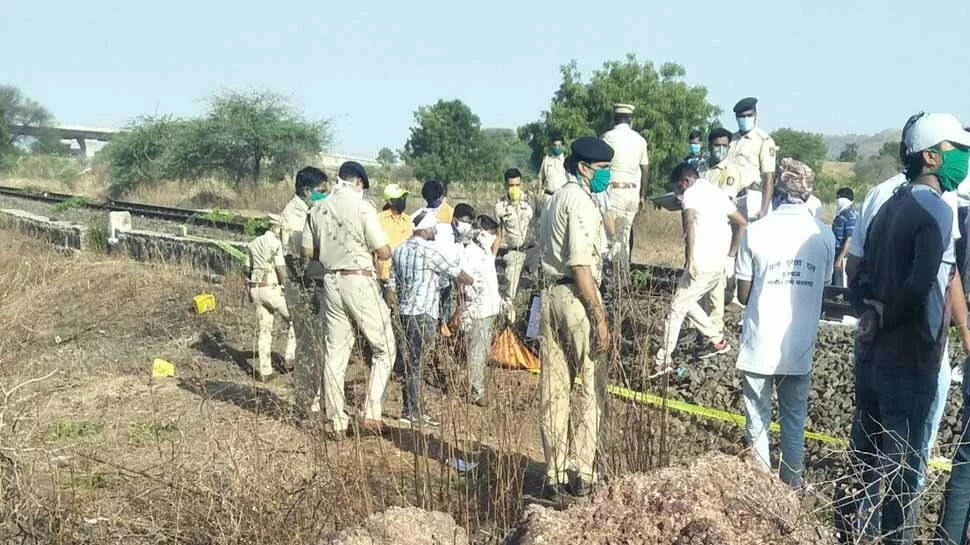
(734, 418)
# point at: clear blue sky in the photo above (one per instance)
(831, 66)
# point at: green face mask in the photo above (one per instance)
(317, 196)
(600, 181)
(954, 169)
(557, 150)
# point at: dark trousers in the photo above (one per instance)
(891, 409)
(419, 333)
(956, 500)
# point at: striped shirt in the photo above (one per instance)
(417, 266)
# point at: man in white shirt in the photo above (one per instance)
(629, 175)
(482, 302)
(712, 232)
(552, 171)
(784, 263)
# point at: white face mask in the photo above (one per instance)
(485, 240)
(464, 228)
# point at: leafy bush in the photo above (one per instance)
(78, 201)
(245, 137)
(65, 170)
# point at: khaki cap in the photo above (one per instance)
(623, 108)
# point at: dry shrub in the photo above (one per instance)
(719, 500)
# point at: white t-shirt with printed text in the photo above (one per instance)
(788, 257)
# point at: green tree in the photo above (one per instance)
(514, 153)
(145, 152)
(247, 132)
(20, 110)
(386, 157)
(667, 108)
(850, 153)
(889, 149)
(804, 146)
(448, 144)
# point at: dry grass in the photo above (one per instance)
(99, 452)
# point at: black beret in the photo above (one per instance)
(591, 150)
(353, 169)
(745, 104)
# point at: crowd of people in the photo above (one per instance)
(332, 265)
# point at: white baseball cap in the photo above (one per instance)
(429, 220)
(929, 130)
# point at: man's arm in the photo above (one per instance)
(927, 254)
(958, 309)
(767, 192)
(644, 182)
(738, 225)
(843, 252)
(744, 291)
(687, 217)
(589, 296)
(383, 253)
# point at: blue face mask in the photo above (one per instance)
(695, 149)
(317, 196)
(745, 124)
(600, 181)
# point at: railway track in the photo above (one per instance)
(181, 215)
(651, 276)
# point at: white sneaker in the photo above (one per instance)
(956, 374)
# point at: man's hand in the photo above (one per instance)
(878, 307)
(868, 325)
(603, 338)
(465, 279)
(690, 269)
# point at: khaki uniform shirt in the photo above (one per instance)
(265, 255)
(753, 154)
(629, 152)
(514, 217)
(398, 228)
(570, 233)
(552, 173)
(293, 219)
(726, 176)
(345, 231)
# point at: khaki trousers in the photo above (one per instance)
(350, 301)
(565, 354)
(514, 262)
(686, 304)
(624, 204)
(269, 302)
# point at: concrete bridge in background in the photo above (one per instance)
(83, 134)
(78, 133)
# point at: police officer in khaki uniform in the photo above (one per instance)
(720, 170)
(345, 229)
(514, 213)
(301, 299)
(574, 332)
(267, 274)
(629, 176)
(753, 152)
(552, 173)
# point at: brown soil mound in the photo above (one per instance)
(718, 500)
(405, 526)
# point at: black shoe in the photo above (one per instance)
(582, 488)
(263, 379)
